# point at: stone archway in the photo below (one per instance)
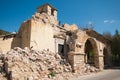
(91, 52)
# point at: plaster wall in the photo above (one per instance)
(24, 34)
(5, 45)
(41, 36)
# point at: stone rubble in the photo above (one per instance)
(29, 64)
(26, 64)
(88, 68)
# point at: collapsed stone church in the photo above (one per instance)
(43, 31)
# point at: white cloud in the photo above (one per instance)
(90, 22)
(112, 21)
(106, 21)
(109, 21)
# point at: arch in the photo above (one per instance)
(91, 52)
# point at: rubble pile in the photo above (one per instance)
(2, 73)
(2, 77)
(88, 68)
(29, 64)
(26, 64)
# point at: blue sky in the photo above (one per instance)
(103, 14)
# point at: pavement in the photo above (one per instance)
(108, 74)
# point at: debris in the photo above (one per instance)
(32, 64)
(29, 64)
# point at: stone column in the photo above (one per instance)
(101, 62)
(76, 60)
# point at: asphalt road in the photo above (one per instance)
(109, 74)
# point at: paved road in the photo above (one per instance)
(110, 74)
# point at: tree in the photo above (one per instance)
(107, 35)
(2, 32)
(115, 47)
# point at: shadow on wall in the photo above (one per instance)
(15, 42)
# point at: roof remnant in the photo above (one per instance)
(48, 5)
(96, 35)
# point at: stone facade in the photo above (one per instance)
(43, 31)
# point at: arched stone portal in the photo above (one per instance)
(91, 52)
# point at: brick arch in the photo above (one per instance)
(90, 44)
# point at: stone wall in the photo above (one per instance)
(76, 60)
(41, 36)
(77, 57)
(5, 45)
(16, 42)
(25, 33)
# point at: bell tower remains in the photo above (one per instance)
(48, 9)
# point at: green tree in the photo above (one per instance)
(115, 47)
(107, 35)
(2, 32)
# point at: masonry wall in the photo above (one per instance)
(78, 55)
(24, 34)
(42, 36)
(98, 47)
(5, 45)
(16, 42)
